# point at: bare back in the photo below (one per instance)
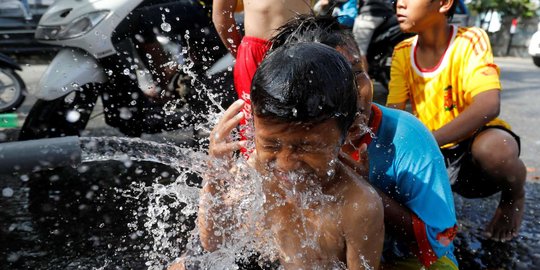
(263, 17)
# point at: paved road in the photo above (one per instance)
(520, 107)
(520, 104)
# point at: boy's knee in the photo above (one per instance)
(495, 149)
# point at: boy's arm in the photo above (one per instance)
(210, 206)
(212, 197)
(484, 108)
(223, 19)
(398, 88)
(364, 231)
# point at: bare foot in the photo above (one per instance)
(504, 225)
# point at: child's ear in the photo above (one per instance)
(446, 5)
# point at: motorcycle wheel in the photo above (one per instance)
(64, 116)
(12, 90)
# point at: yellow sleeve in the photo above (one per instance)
(481, 72)
(398, 88)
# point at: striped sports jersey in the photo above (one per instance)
(438, 95)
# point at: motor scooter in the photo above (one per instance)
(152, 63)
(12, 87)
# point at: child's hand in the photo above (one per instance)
(360, 166)
(221, 144)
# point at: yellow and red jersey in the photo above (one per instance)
(440, 94)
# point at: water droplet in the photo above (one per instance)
(125, 113)
(73, 116)
(126, 71)
(330, 172)
(295, 112)
(25, 178)
(83, 168)
(165, 27)
(365, 237)
(7, 192)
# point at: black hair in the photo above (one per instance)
(311, 28)
(305, 83)
(452, 10)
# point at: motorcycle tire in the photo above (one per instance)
(50, 118)
(12, 90)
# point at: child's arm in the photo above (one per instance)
(214, 199)
(485, 107)
(223, 19)
(398, 88)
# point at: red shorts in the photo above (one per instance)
(250, 54)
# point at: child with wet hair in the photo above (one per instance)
(382, 146)
(317, 211)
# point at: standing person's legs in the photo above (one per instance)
(485, 164)
(363, 28)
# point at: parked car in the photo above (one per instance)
(534, 47)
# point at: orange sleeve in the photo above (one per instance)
(398, 87)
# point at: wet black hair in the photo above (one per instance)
(313, 28)
(292, 85)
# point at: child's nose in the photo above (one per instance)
(398, 4)
(287, 160)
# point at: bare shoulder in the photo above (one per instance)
(360, 198)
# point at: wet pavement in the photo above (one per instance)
(89, 218)
(81, 218)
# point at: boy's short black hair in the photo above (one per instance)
(305, 83)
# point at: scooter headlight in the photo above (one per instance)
(75, 28)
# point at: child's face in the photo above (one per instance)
(365, 91)
(293, 152)
(416, 16)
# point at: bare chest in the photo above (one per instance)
(308, 236)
